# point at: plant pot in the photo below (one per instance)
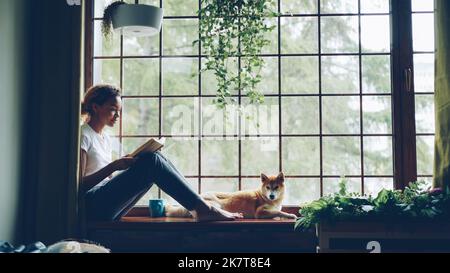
(377, 236)
(137, 19)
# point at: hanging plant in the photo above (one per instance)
(107, 27)
(230, 29)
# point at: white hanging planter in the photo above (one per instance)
(137, 20)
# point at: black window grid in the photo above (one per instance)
(280, 95)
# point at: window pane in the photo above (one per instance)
(234, 44)
(141, 46)
(341, 156)
(341, 115)
(105, 46)
(341, 6)
(252, 183)
(209, 81)
(424, 72)
(331, 185)
(300, 191)
(115, 145)
(107, 72)
(183, 153)
(376, 73)
(269, 76)
(140, 116)
(177, 8)
(272, 36)
(217, 121)
(300, 115)
(375, 34)
(299, 35)
(425, 114)
(301, 155)
(220, 157)
(151, 194)
(180, 116)
(377, 116)
(428, 182)
(374, 6)
(146, 2)
(141, 77)
(340, 74)
(219, 185)
(129, 144)
(423, 32)
(298, 6)
(113, 131)
(422, 5)
(378, 156)
(267, 85)
(99, 6)
(372, 186)
(180, 76)
(299, 75)
(339, 34)
(178, 35)
(260, 155)
(260, 119)
(425, 154)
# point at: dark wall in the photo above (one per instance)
(11, 101)
(42, 94)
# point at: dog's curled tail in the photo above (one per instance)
(177, 211)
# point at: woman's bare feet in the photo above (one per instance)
(213, 213)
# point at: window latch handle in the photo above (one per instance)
(408, 79)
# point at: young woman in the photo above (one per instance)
(110, 197)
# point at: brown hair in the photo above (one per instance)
(98, 94)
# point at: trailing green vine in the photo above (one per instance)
(230, 29)
(107, 18)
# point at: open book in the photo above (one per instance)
(152, 145)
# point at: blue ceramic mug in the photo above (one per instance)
(156, 207)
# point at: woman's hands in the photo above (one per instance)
(91, 180)
(123, 163)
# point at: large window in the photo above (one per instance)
(330, 81)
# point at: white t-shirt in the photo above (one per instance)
(97, 147)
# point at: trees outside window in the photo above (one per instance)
(335, 86)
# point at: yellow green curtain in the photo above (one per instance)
(442, 96)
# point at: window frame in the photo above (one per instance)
(404, 126)
(403, 105)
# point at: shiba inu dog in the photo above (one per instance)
(262, 203)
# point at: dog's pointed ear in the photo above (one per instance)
(280, 177)
(264, 178)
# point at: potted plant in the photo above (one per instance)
(235, 29)
(107, 26)
(131, 19)
(393, 215)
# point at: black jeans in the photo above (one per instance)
(113, 199)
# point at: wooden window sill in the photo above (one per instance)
(137, 232)
(161, 235)
(142, 211)
(164, 223)
(139, 218)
